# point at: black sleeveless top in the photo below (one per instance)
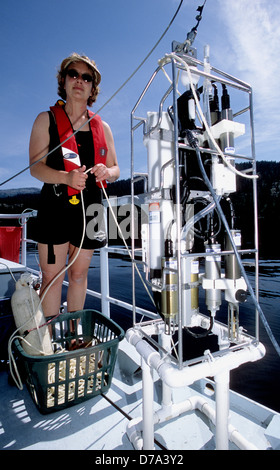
(58, 220)
(86, 153)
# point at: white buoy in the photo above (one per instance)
(28, 315)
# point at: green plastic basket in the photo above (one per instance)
(67, 378)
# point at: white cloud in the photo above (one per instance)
(253, 30)
(255, 38)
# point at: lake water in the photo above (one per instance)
(260, 380)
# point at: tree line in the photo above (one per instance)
(268, 184)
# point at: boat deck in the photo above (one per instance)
(101, 423)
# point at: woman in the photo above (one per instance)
(61, 212)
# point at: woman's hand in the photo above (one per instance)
(101, 172)
(77, 178)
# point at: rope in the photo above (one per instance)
(106, 102)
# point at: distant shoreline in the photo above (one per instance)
(268, 184)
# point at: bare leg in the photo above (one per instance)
(52, 301)
(77, 276)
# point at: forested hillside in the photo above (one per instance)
(17, 200)
(268, 208)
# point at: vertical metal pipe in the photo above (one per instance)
(222, 409)
(178, 216)
(24, 243)
(166, 390)
(147, 406)
(255, 199)
(132, 227)
(104, 282)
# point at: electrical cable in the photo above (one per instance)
(211, 189)
(106, 102)
(123, 238)
(193, 142)
(74, 133)
(77, 254)
(173, 56)
(9, 269)
(12, 363)
(192, 33)
(190, 224)
(70, 263)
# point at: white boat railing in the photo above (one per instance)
(104, 294)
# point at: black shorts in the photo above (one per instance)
(59, 221)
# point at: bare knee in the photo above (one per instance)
(78, 277)
(48, 277)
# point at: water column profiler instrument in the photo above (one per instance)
(192, 248)
(200, 223)
(189, 251)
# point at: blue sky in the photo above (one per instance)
(244, 40)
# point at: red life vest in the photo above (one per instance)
(65, 131)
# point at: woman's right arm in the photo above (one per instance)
(38, 147)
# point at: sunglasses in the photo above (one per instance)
(86, 77)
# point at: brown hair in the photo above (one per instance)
(62, 73)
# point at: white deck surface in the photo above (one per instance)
(101, 423)
(97, 425)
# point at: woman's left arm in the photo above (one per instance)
(111, 171)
